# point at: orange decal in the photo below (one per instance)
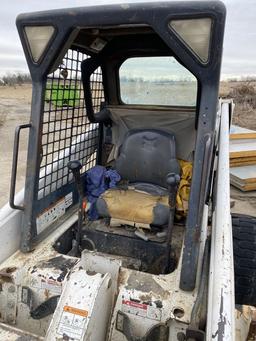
(75, 311)
(84, 204)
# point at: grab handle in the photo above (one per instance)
(14, 165)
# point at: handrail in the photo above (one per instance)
(14, 165)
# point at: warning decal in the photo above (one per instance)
(53, 213)
(141, 309)
(75, 311)
(48, 284)
(51, 285)
(72, 322)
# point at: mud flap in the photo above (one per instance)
(159, 332)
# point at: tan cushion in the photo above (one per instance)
(132, 205)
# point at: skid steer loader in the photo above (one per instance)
(123, 230)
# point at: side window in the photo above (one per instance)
(157, 81)
(66, 131)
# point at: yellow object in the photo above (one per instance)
(136, 206)
(184, 189)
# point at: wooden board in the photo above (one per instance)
(242, 161)
(242, 149)
(242, 153)
(235, 163)
(237, 132)
(244, 187)
(244, 174)
(242, 136)
(243, 142)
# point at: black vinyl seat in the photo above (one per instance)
(147, 156)
(144, 160)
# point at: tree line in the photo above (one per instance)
(13, 79)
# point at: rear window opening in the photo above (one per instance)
(157, 81)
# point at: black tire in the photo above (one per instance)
(244, 245)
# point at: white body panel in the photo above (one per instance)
(84, 308)
(10, 219)
(104, 286)
(221, 310)
(10, 224)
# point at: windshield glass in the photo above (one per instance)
(157, 81)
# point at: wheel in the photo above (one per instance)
(244, 245)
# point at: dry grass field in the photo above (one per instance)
(15, 109)
(244, 95)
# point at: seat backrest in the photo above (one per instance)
(147, 156)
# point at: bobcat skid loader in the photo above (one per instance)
(123, 231)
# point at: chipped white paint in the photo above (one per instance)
(84, 308)
(10, 224)
(221, 319)
(42, 280)
(149, 300)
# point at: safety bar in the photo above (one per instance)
(14, 165)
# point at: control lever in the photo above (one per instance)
(173, 181)
(75, 167)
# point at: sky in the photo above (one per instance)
(239, 58)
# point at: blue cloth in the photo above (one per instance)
(98, 180)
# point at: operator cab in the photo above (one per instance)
(147, 122)
(123, 112)
(121, 163)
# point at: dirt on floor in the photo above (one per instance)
(15, 110)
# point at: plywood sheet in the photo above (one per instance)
(243, 187)
(243, 141)
(242, 149)
(242, 162)
(234, 129)
(236, 132)
(244, 174)
(243, 159)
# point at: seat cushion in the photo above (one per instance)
(147, 156)
(134, 206)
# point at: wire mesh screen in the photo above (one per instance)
(67, 133)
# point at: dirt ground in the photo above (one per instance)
(15, 109)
